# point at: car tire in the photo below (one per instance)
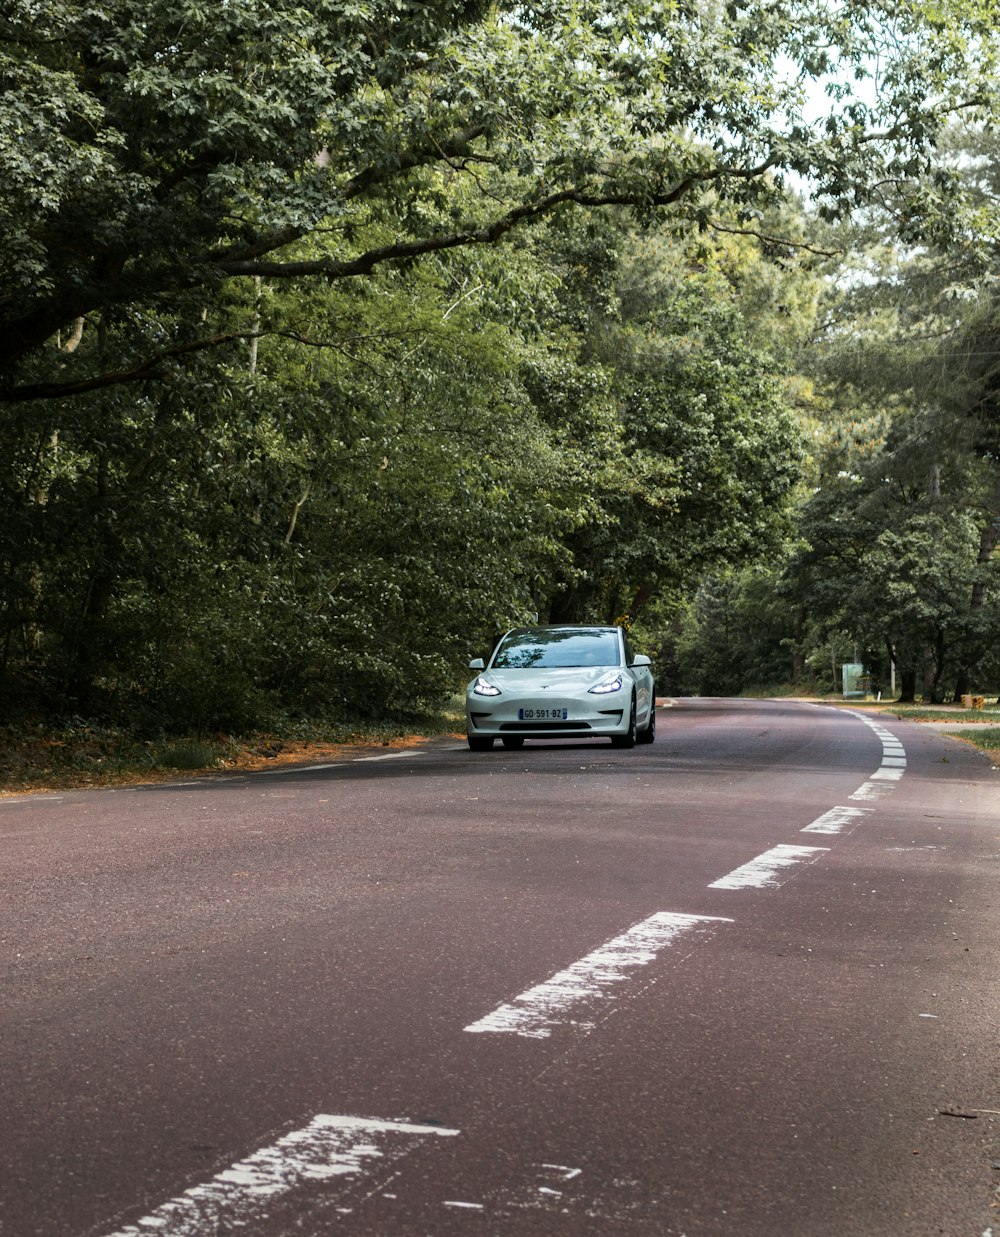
(648, 734)
(513, 741)
(628, 738)
(480, 744)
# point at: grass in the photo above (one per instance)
(988, 740)
(930, 713)
(938, 713)
(80, 754)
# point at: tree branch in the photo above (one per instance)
(455, 147)
(782, 241)
(243, 262)
(489, 234)
(147, 371)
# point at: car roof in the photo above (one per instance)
(566, 627)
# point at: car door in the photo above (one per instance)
(642, 677)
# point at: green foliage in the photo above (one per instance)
(153, 150)
(348, 524)
(707, 451)
(986, 740)
(290, 434)
(914, 514)
(190, 754)
(889, 568)
(328, 540)
(734, 636)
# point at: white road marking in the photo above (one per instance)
(536, 1012)
(565, 1172)
(335, 764)
(770, 870)
(886, 775)
(836, 820)
(870, 791)
(237, 1198)
(32, 799)
(893, 752)
(389, 756)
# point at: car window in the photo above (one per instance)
(554, 647)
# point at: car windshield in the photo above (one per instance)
(549, 648)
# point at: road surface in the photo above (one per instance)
(743, 981)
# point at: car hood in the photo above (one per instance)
(563, 678)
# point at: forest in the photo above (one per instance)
(337, 339)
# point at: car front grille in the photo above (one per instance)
(535, 726)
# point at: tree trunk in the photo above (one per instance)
(85, 645)
(255, 338)
(989, 537)
(907, 684)
(642, 595)
(934, 689)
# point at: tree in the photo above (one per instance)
(916, 331)
(155, 152)
(707, 451)
(734, 634)
(892, 561)
(287, 426)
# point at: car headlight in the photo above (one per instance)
(610, 683)
(485, 688)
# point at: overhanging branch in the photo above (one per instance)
(147, 371)
(245, 262)
(489, 234)
(783, 242)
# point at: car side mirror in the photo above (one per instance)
(641, 659)
(477, 663)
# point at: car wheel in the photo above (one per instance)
(513, 740)
(480, 744)
(628, 738)
(648, 734)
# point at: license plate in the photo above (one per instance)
(542, 715)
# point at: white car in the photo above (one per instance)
(561, 682)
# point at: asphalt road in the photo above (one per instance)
(743, 981)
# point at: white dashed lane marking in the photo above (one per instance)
(770, 870)
(329, 1147)
(870, 792)
(32, 799)
(881, 782)
(538, 1011)
(837, 820)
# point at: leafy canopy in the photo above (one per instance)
(153, 148)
